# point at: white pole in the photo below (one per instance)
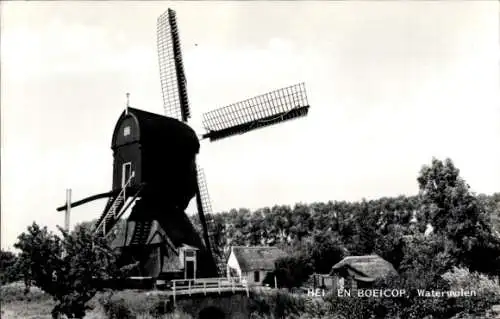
(128, 104)
(68, 209)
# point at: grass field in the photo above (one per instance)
(38, 305)
(15, 304)
(35, 305)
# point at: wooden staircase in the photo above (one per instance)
(108, 220)
(115, 208)
(141, 232)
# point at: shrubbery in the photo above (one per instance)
(487, 291)
(66, 268)
(130, 305)
(8, 271)
(291, 271)
(278, 304)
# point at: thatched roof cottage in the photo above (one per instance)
(362, 271)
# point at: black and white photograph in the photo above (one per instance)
(250, 159)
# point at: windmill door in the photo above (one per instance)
(126, 172)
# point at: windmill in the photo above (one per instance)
(156, 173)
(250, 114)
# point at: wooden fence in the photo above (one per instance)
(206, 285)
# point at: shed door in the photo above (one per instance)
(126, 172)
(190, 269)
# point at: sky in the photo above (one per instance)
(390, 85)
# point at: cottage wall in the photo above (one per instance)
(253, 264)
(232, 263)
(250, 276)
(326, 281)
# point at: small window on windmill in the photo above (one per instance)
(126, 131)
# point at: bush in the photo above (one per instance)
(353, 307)
(291, 271)
(413, 306)
(66, 268)
(116, 308)
(14, 292)
(487, 291)
(316, 308)
(8, 272)
(259, 305)
(278, 304)
(131, 304)
(462, 278)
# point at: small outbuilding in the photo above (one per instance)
(252, 264)
(361, 271)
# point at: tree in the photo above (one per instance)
(291, 271)
(326, 251)
(365, 223)
(426, 257)
(453, 211)
(8, 261)
(492, 205)
(117, 228)
(389, 244)
(68, 268)
(424, 261)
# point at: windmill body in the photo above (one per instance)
(155, 173)
(161, 152)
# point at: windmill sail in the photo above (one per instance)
(206, 206)
(205, 197)
(173, 79)
(263, 110)
(174, 89)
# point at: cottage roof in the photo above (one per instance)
(189, 247)
(365, 268)
(155, 127)
(257, 257)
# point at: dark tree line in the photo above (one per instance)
(326, 232)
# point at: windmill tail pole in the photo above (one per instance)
(68, 209)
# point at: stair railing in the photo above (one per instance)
(114, 205)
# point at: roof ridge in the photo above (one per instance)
(144, 111)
